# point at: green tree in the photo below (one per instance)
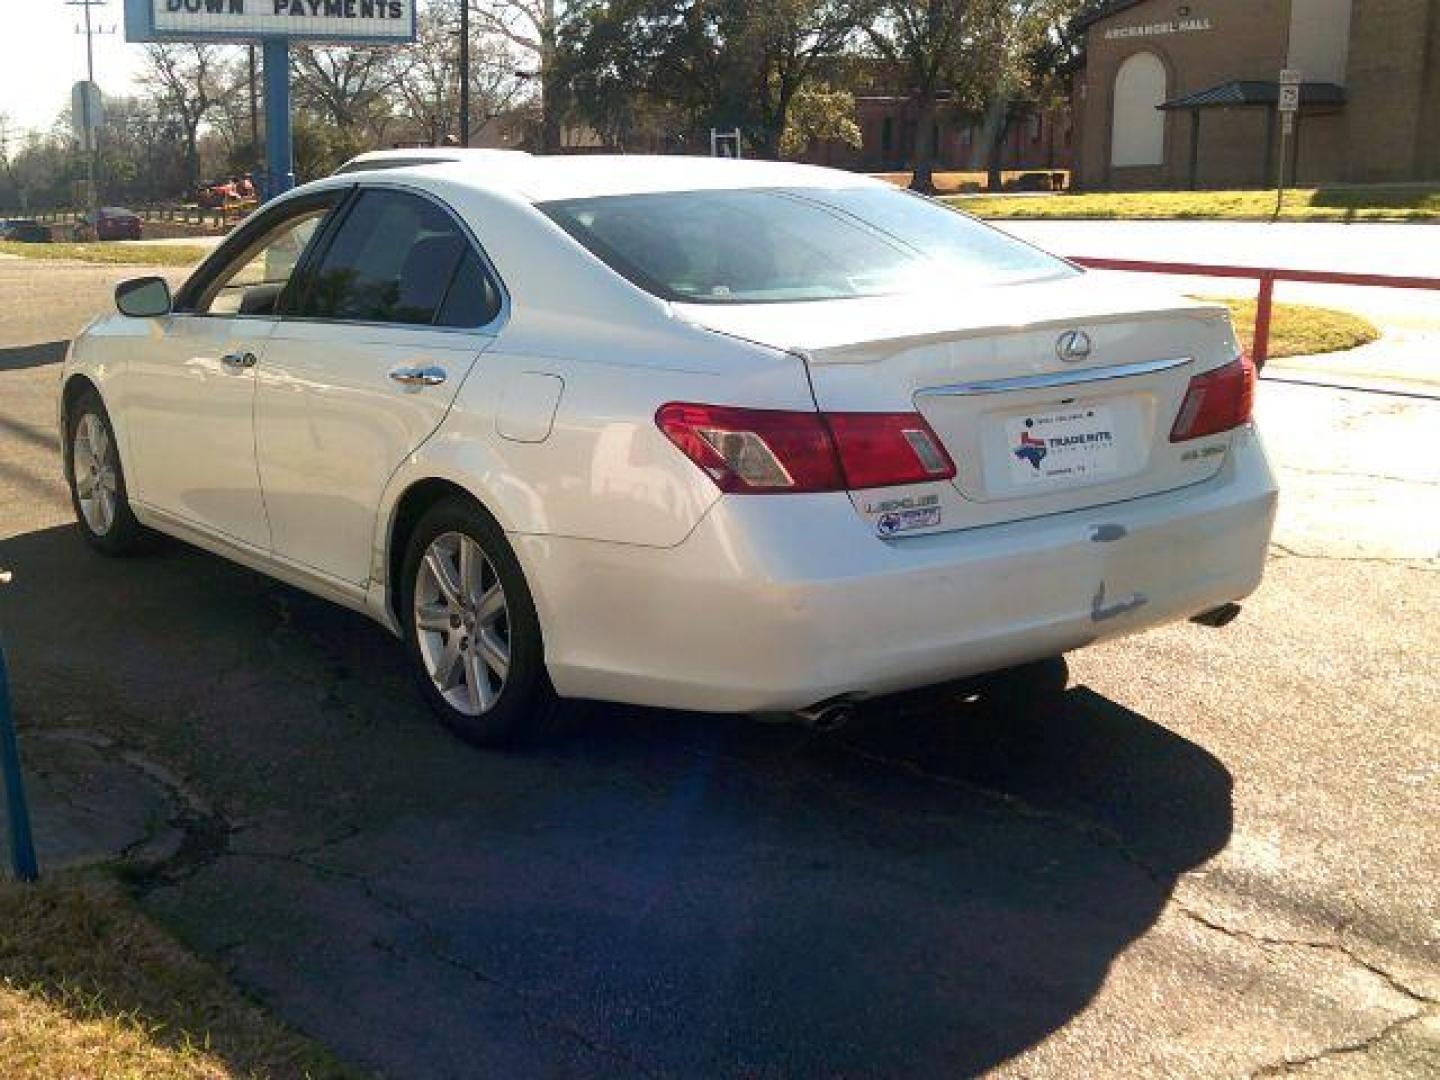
(717, 63)
(1029, 44)
(938, 47)
(819, 112)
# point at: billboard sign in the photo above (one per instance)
(273, 24)
(375, 22)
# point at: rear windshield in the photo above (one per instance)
(772, 245)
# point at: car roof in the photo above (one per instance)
(542, 178)
(403, 157)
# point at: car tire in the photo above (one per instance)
(471, 630)
(97, 480)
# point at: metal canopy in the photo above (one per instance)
(1243, 92)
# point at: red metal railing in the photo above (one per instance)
(1267, 276)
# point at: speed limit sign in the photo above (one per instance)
(1289, 91)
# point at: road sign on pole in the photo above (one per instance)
(1288, 105)
(87, 114)
(1289, 91)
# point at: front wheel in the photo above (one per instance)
(97, 481)
(471, 629)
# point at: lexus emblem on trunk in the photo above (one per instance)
(1073, 345)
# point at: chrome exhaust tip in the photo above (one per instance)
(1217, 617)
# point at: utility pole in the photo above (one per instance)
(92, 158)
(464, 72)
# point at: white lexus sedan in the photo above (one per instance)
(719, 435)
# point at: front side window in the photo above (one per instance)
(253, 283)
(787, 244)
(399, 258)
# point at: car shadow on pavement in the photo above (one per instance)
(932, 890)
(32, 356)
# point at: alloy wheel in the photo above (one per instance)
(462, 623)
(93, 462)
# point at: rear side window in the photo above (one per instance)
(398, 258)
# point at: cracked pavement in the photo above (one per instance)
(1215, 855)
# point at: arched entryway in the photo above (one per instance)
(1137, 129)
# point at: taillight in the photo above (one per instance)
(774, 451)
(754, 449)
(1216, 401)
(887, 449)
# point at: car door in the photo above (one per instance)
(191, 387)
(384, 325)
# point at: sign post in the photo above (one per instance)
(17, 810)
(279, 145)
(273, 24)
(87, 117)
(1287, 105)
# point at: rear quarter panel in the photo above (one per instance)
(604, 471)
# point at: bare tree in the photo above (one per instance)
(348, 86)
(533, 27)
(428, 83)
(187, 82)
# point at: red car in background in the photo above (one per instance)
(109, 223)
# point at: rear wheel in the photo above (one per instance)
(97, 480)
(471, 629)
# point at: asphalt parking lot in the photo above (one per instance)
(1217, 854)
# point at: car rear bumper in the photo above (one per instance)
(778, 602)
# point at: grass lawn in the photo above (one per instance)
(950, 182)
(1406, 202)
(116, 251)
(1301, 330)
(89, 987)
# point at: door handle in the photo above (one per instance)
(419, 376)
(239, 360)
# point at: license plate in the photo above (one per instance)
(1078, 443)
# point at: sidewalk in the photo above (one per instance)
(1404, 361)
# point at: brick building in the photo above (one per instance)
(1178, 95)
(1039, 140)
(888, 118)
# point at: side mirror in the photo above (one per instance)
(143, 298)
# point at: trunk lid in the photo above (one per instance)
(1049, 396)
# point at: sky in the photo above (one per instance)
(41, 55)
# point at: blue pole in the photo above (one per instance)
(279, 150)
(22, 844)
